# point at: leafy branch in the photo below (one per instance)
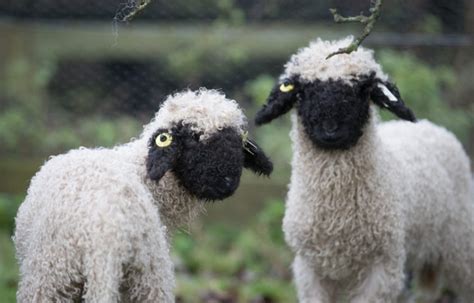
(368, 21)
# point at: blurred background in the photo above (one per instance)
(72, 74)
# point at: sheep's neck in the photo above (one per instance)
(177, 207)
(336, 176)
(334, 203)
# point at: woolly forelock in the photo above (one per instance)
(310, 62)
(207, 111)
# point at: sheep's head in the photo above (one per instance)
(332, 97)
(201, 137)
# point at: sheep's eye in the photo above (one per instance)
(286, 87)
(163, 140)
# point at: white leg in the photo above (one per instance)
(460, 279)
(384, 283)
(458, 267)
(103, 276)
(151, 286)
(309, 286)
(45, 281)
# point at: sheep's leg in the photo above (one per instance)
(30, 291)
(36, 294)
(150, 287)
(36, 288)
(459, 275)
(103, 277)
(309, 286)
(43, 280)
(407, 295)
(383, 283)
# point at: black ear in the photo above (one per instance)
(161, 158)
(157, 164)
(386, 95)
(255, 159)
(281, 100)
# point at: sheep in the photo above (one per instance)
(95, 223)
(366, 199)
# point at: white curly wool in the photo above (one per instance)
(401, 199)
(207, 112)
(94, 226)
(311, 63)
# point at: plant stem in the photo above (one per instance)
(139, 7)
(369, 22)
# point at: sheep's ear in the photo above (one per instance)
(159, 161)
(281, 100)
(157, 166)
(255, 159)
(386, 95)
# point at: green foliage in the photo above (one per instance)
(229, 13)
(423, 88)
(8, 207)
(259, 88)
(23, 134)
(8, 269)
(430, 24)
(17, 132)
(207, 61)
(270, 220)
(269, 290)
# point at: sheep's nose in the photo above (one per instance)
(330, 127)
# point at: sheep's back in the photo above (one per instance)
(436, 184)
(431, 158)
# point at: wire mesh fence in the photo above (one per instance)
(73, 74)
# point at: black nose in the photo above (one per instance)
(330, 127)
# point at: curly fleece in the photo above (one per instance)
(310, 62)
(402, 197)
(94, 226)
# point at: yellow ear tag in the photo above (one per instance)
(163, 140)
(245, 137)
(286, 87)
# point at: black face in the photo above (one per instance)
(333, 112)
(210, 170)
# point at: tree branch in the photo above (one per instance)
(369, 22)
(138, 7)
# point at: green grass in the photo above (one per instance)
(8, 269)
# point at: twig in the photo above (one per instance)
(369, 22)
(139, 7)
